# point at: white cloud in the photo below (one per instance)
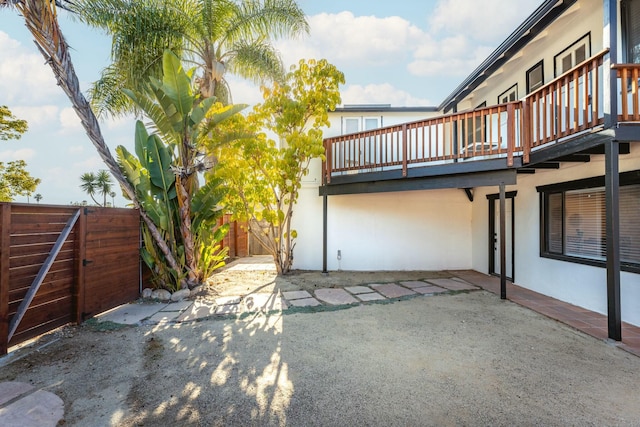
(488, 21)
(380, 94)
(244, 91)
(24, 79)
(69, 121)
(20, 154)
(43, 115)
(343, 38)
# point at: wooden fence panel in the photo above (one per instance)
(38, 226)
(98, 267)
(111, 259)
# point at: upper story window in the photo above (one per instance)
(535, 77)
(631, 30)
(573, 55)
(509, 95)
(359, 124)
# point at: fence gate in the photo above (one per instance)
(111, 259)
(62, 264)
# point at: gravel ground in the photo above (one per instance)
(457, 359)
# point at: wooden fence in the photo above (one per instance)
(63, 264)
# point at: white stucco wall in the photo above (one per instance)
(414, 230)
(578, 284)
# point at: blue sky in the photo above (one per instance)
(403, 53)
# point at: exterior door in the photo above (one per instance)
(494, 234)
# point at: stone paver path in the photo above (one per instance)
(25, 406)
(335, 296)
(150, 312)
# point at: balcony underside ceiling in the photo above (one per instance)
(430, 182)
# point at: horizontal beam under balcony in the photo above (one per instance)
(468, 180)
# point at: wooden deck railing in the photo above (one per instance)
(566, 106)
(569, 104)
(628, 76)
(485, 132)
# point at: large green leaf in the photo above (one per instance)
(160, 165)
(176, 83)
(141, 137)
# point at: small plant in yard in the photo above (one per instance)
(263, 177)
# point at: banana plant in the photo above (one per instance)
(164, 171)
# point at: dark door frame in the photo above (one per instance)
(492, 231)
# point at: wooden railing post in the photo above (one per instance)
(511, 132)
(5, 234)
(404, 149)
(527, 129)
(327, 162)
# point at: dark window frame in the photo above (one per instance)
(626, 178)
(570, 48)
(512, 88)
(529, 71)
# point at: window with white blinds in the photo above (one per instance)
(574, 224)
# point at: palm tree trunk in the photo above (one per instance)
(41, 20)
(184, 206)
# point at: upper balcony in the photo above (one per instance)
(570, 108)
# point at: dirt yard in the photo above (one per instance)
(455, 359)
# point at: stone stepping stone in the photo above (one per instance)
(335, 296)
(372, 296)
(292, 295)
(412, 284)
(197, 311)
(358, 289)
(391, 290)
(453, 285)
(130, 314)
(228, 300)
(227, 309)
(163, 317)
(22, 405)
(429, 290)
(264, 302)
(177, 306)
(305, 302)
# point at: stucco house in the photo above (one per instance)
(528, 170)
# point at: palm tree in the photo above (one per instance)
(104, 183)
(97, 183)
(216, 36)
(40, 17)
(113, 199)
(89, 185)
(38, 197)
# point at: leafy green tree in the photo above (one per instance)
(264, 179)
(15, 181)
(40, 17)
(217, 36)
(164, 173)
(10, 126)
(94, 183)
